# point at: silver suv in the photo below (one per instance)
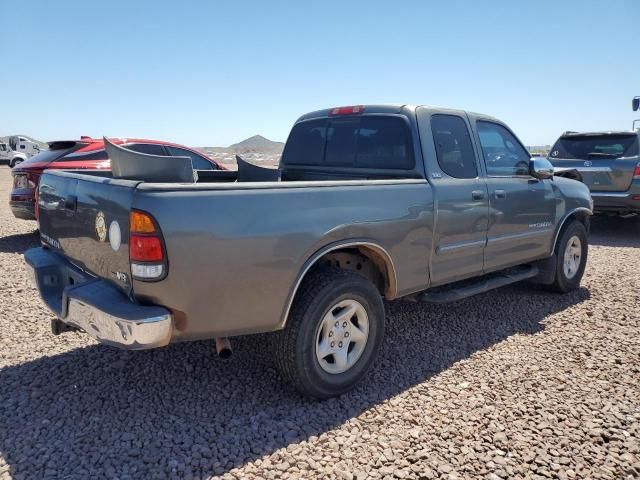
(609, 163)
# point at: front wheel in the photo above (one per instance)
(333, 333)
(571, 257)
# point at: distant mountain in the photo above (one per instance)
(257, 143)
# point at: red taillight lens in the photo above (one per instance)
(636, 172)
(347, 110)
(145, 249)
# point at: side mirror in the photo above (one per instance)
(540, 168)
(635, 103)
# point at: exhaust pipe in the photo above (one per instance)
(223, 347)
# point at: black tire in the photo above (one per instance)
(562, 283)
(295, 346)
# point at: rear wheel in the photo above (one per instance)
(571, 257)
(333, 333)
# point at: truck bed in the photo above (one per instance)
(241, 244)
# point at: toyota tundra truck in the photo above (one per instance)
(368, 203)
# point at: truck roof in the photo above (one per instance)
(391, 108)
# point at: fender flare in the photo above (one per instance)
(564, 220)
(383, 254)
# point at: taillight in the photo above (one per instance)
(21, 181)
(347, 110)
(24, 180)
(140, 222)
(146, 249)
(636, 172)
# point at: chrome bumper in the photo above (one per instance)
(96, 306)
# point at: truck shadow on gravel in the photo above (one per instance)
(615, 231)
(19, 242)
(182, 410)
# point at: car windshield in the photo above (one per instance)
(593, 147)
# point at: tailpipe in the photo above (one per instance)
(223, 347)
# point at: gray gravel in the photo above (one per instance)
(512, 384)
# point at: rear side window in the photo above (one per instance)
(453, 146)
(371, 142)
(593, 147)
(197, 161)
(80, 156)
(148, 148)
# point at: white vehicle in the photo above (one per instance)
(20, 148)
(11, 157)
(5, 152)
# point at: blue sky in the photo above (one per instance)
(214, 72)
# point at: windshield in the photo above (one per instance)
(50, 155)
(593, 147)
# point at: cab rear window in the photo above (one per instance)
(368, 142)
(593, 147)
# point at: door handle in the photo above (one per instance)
(501, 194)
(477, 194)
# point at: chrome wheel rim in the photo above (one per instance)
(572, 256)
(342, 336)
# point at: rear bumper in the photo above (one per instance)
(95, 306)
(622, 202)
(23, 209)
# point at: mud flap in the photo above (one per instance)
(546, 270)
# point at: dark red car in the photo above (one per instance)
(85, 153)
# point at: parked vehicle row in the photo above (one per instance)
(86, 153)
(369, 202)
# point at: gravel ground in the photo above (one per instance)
(516, 383)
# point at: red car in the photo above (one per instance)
(85, 153)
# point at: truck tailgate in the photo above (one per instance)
(86, 218)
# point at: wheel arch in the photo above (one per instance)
(378, 255)
(582, 214)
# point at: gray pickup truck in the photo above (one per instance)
(370, 203)
(609, 163)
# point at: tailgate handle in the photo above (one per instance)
(71, 203)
